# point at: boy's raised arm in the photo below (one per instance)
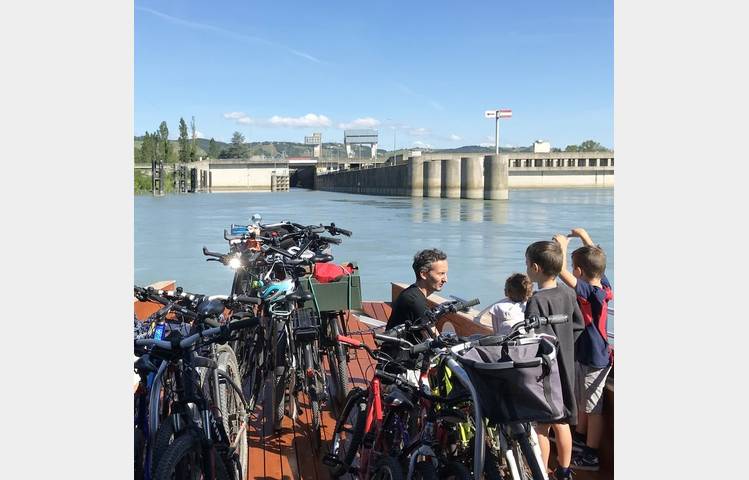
(565, 274)
(582, 235)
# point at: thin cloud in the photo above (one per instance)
(436, 105)
(199, 134)
(309, 120)
(419, 132)
(305, 121)
(228, 33)
(454, 137)
(367, 122)
(407, 90)
(421, 144)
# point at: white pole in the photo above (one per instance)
(496, 132)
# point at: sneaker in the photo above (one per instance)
(578, 445)
(559, 474)
(585, 461)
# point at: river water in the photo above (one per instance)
(485, 241)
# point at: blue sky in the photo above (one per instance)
(423, 72)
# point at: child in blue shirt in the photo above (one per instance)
(592, 350)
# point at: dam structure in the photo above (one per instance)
(472, 175)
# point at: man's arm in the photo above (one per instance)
(565, 274)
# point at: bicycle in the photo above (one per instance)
(371, 432)
(201, 410)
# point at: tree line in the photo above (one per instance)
(156, 146)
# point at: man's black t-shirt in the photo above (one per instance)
(409, 306)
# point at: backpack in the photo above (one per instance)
(331, 272)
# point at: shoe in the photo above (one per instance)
(560, 475)
(578, 445)
(585, 462)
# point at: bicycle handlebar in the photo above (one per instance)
(205, 334)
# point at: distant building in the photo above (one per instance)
(539, 146)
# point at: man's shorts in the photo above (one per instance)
(589, 385)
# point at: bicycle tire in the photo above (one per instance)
(388, 468)
(524, 472)
(140, 454)
(254, 364)
(230, 404)
(349, 431)
(530, 459)
(338, 364)
(315, 436)
(164, 438)
(183, 460)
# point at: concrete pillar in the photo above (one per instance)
(471, 178)
(451, 178)
(432, 178)
(273, 183)
(416, 176)
(495, 177)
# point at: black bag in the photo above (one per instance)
(518, 382)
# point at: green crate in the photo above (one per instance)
(333, 296)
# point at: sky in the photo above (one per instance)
(421, 73)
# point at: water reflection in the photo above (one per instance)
(497, 211)
(485, 240)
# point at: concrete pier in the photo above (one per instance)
(471, 178)
(495, 177)
(451, 178)
(432, 178)
(416, 176)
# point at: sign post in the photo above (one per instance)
(496, 115)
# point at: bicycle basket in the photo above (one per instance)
(517, 382)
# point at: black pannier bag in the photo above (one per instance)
(518, 382)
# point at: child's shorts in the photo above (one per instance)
(589, 385)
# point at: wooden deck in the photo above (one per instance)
(288, 454)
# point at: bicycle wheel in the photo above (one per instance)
(349, 432)
(531, 459)
(183, 460)
(315, 405)
(231, 406)
(254, 365)
(164, 438)
(388, 468)
(517, 465)
(140, 454)
(274, 404)
(338, 364)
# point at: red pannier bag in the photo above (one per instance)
(331, 272)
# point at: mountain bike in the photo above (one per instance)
(208, 416)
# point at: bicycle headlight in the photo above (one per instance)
(235, 263)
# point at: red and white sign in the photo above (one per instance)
(501, 113)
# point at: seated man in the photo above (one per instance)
(430, 268)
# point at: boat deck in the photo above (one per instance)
(288, 454)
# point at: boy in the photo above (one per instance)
(544, 261)
(592, 353)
